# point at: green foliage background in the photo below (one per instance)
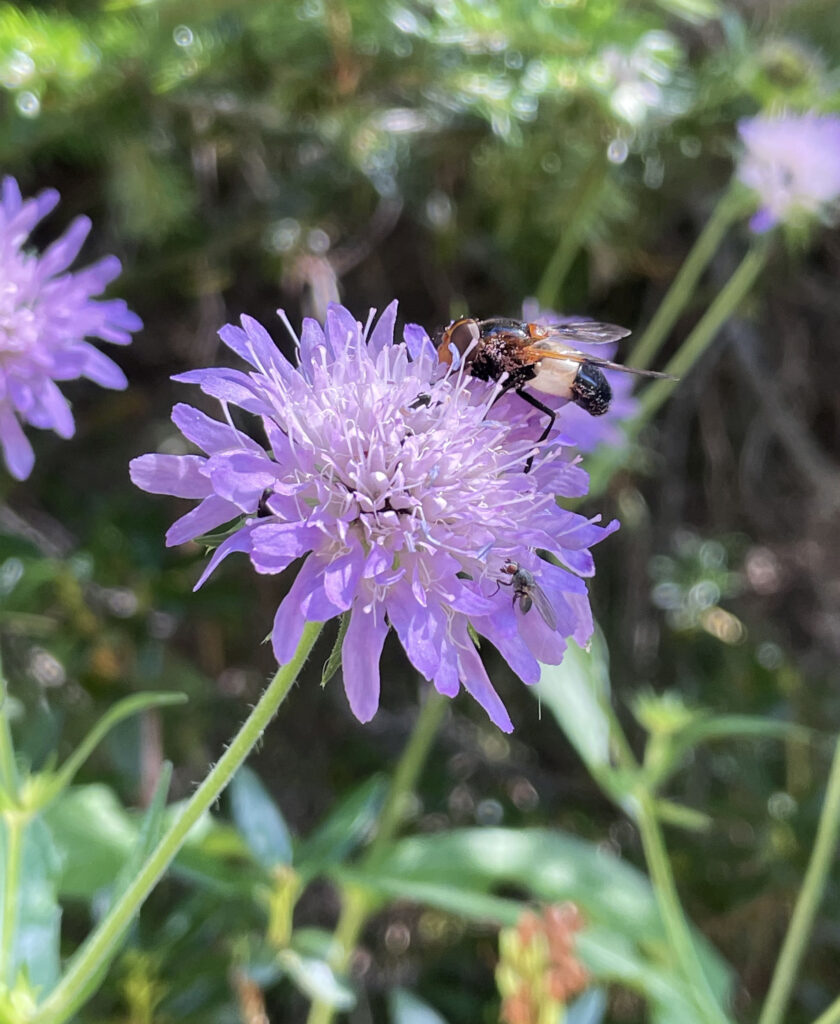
(459, 156)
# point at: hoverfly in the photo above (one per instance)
(540, 357)
(528, 592)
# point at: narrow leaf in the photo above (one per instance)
(121, 710)
(405, 1008)
(574, 692)
(333, 663)
(344, 829)
(588, 1008)
(317, 980)
(150, 832)
(259, 820)
(36, 938)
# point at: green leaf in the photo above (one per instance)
(574, 692)
(588, 1008)
(94, 835)
(667, 752)
(36, 943)
(461, 870)
(344, 829)
(333, 663)
(151, 829)
(121, 710)
(259, 820)
(405, 1008)
(316, 979)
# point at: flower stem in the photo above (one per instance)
(676, 926)
(831, 1015)
(8, 771)
(609, 460)
(724, 305)
(550, 287)
(356, 905)
(802, 921)
(100, 945)
(682, 288)
(14, 823)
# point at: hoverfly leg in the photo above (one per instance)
(552, 416)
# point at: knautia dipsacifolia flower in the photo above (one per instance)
(45, 316)
(793, 164)
(402, 486)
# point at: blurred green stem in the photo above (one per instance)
(684, 284)
(695, 345)
(583, 205)
(807, 904)
(14, 823)
(676, 925)
(8, 772)
(101, 944)
(356, 903)
(831, 1015)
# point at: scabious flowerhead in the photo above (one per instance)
(574, 425)
(45, 315)
(793, 164)
(402, 487)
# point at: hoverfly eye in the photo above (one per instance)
(461, 335)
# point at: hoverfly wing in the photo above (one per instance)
(608, 364)
(543, 605)
(590, 332)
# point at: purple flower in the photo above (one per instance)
(574, 425)
(402, 487)
(793, 164)
(45, 315)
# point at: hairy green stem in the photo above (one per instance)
(804, 913)
(100, 945)
(549, 290)
(14, 823)
(682, 288)
(670, 908)
(356, 905)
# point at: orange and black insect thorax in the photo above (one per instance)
(490, 348)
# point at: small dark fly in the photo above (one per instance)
(528, 593)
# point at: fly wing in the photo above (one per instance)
(588, 331)
(536, 353)
(608, 364)
(543, 605)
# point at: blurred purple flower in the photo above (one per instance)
(404, 490)
(574, 425)
(45, 315)
(793, 164)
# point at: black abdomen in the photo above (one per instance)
(591, 390)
